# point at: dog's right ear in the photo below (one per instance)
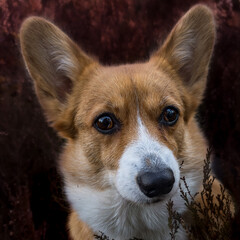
(188, 49)
(54, 62)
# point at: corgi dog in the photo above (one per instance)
(128, 127)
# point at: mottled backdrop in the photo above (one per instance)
(32, 205)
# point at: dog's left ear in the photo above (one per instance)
(188, 49)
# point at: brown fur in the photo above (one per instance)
(78, 229)
(74, 92)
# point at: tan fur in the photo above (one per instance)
(75, 90)
(78, 229)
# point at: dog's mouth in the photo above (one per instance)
(161, 199)
(148, 202)
(145, 201)
(155, 200)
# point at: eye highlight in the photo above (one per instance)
(169, 116)
(106, 123)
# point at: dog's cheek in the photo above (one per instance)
(173, 138)
(179, 137)
(102, 151)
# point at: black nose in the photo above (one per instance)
(154, 184)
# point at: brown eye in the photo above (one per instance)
(169, 116)
(106, 123)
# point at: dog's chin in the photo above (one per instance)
(156, 200)
(138, 198)
(142, 200)
(147, 201)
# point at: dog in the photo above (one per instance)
(127, 127)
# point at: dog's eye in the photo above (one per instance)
(169, 116)
(106, 123)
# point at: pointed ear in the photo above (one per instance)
(54, 62)
(188, 49)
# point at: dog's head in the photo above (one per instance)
(127, 127)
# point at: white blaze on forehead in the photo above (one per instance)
(133, 161)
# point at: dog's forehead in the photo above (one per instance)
(114, 84)
(125, 89)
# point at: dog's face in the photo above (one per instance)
(131, 126)
(128, 127)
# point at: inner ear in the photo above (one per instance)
(188, 49)
(64, 89)
(54, 62)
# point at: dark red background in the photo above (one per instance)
(32, 205)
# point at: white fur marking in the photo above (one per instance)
(133, 161)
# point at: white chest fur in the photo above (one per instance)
(108, 212)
